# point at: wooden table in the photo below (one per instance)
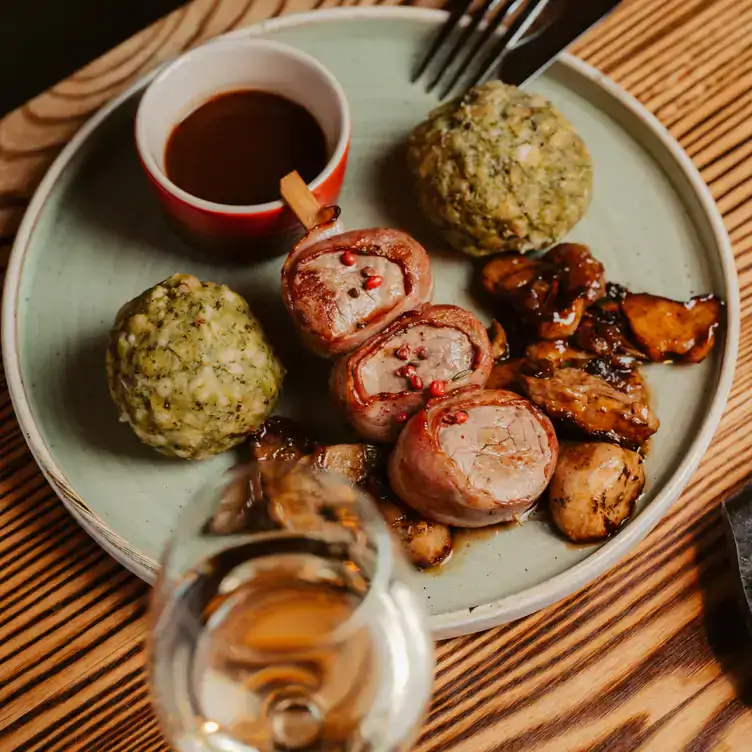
(652, 656)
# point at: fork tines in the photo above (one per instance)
(507, 21)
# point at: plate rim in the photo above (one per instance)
(461, 621)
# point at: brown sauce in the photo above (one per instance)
(464, 537)
(236, 147)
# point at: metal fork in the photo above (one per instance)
(516, 16)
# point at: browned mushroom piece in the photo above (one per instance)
(605, 331)
(557, 352)
(505, 274)
(670, 330)
(276, 444)
(355, 462)
(589, 404)
(235, 511)
(594, 489)
(426, 543)
(564, 321)
(506, 375)
(499, 341)
(299, 487)
(299, 500)
(580, 274)
(279, 439)
(620, 373)
(551, 293)
(626, 378)
(303, 499)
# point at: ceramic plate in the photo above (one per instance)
(93, 238)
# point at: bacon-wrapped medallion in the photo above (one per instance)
(343, 289)
(425, 353)
(474, 458)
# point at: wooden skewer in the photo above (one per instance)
(297, 196)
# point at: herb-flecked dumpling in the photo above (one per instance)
(500, 169)
(190, 368)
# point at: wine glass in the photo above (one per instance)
(285, 617)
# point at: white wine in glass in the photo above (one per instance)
(286, 618)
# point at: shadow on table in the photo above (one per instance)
(723, 618)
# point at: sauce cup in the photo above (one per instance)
(232, 64)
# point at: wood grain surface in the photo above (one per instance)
(652, 656)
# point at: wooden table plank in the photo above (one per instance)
(652, 656)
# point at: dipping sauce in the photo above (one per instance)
(236, 147)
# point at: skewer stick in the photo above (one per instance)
(297, 196)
